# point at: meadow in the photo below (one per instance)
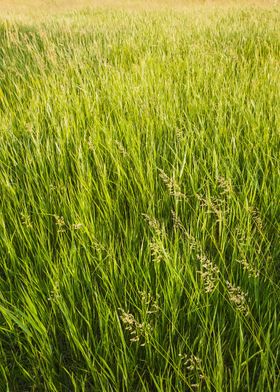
(139, 191)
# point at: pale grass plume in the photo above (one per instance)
(192, 241)
(179, 134)
(172, 186)
(225, 185)
(238, 298)
(154, 224)
(98, 246)
(139, 332)
(214, 206)
(57, 188)
(192, 362)
(157, 250)
(209, 273)
(55, 292)
(193, 365)
(26, 220)
(121, 148)
(177, 223)
(249, 268)
(256, 216)
(149, 302)
(91, 144)
(30, 128)
(77, 226)
(60, 223)
(62, 226)
(241, 237)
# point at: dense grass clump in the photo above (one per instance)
(139, 184)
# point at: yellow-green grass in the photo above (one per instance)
(44, 8)
(139, 188)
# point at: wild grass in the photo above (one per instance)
(139, 183)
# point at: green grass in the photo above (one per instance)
(139, 173)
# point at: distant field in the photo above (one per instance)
(35, 7)
(139, 191)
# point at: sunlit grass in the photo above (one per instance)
(139, 184)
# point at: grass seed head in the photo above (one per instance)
(137, 331)
(225, 185)
(157, 251)
(172, 186)
(238, 298)
(252, 270)
(256, 218)
(209, 273)
(60, 223)
(26, 220)
(154, 224)
(121, 148)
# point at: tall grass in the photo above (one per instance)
(139, 184)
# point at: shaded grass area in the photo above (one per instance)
(139, 202)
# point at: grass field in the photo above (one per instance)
(139, 190)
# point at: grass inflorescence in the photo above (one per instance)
(139, 183)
